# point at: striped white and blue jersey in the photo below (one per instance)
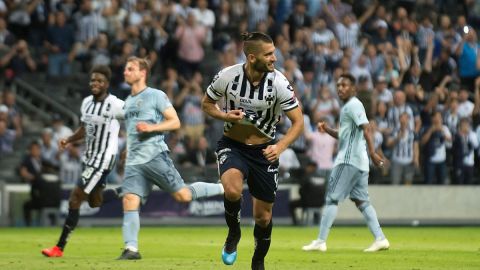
(352, 147)
(263, 104)
(101, 131)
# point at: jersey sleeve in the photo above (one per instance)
(216, 89)
(358, 114)
(82, 110)
(163, 102)
(285, 94)
(118, 109)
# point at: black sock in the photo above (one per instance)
(232, 215)
(262, 241)
(70, 223)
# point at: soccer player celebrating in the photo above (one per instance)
(350, 173)
(148, 114)
(101, 137)
(256, 94)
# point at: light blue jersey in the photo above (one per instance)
(352, 144)
(147, 106)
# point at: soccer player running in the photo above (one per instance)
(148, 114)
(255, 94)
(350, 173)
(101, 138)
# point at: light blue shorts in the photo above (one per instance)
(347, 181)
(160, 171)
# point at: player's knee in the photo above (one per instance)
(263, 219)
(93, 203)
(232, 192)
(361, 205)
(130, 202)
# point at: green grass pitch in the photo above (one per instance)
(199, 248)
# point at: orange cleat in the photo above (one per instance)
(52, 252)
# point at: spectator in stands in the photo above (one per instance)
(7, 136)
(383, 93)
(467, 53)
(191, 37)
(18, 60)
(49, 150)
(205, 17)
(321, 149)
(325, 106)
(399, 107)
(60, 131)
(464, 146)
(70, 164)
(7, 39)
(198, 153)
(257, 11)
(31, 172)
(189, 104)
(451, 117)
(435, 141)
(59, 42)
(465, 106)
(288, 160)
(298, 20)
(405, 154)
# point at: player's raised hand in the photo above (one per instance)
(272, 152)
(143, 127)
(322, 126)
(234, 115)
(62, 144)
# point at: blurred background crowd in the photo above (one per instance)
(416, 63)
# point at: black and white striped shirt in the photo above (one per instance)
(101, 131)
(263, 105)
(403, 150)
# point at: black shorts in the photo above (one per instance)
(261, 174)
(92, 178)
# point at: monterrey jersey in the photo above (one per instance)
(262, 105)
(101, 131)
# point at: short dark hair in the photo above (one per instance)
(251, 39)
(102, 69)
(349, 77)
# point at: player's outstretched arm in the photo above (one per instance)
(171, 122)
(323, 127)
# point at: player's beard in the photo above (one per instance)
(262, 66)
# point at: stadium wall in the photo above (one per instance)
(395, 205)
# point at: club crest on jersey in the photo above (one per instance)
(139, 103)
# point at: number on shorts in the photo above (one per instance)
(87, 173)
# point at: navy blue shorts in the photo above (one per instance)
(261, 174)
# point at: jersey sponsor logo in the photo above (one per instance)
(90, 130)
(133, 114)
(272, 168)
(245, 101)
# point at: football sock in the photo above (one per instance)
(70, 223)
(328, 217)
(232, 215)
(262, 241)
(202, 190)
(370, 216)
(130, 228)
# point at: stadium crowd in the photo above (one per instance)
(416, 64)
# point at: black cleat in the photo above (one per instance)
(258, 265)
(129, 255)
(232, 241)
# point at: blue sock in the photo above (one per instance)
(328, 217)
(370, 217)
(130, 228)
(202, 190)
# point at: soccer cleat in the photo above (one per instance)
(229, 251)
(258, 265)
(316, 245)
(127, 254)
(52, 252)
(378, 245)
